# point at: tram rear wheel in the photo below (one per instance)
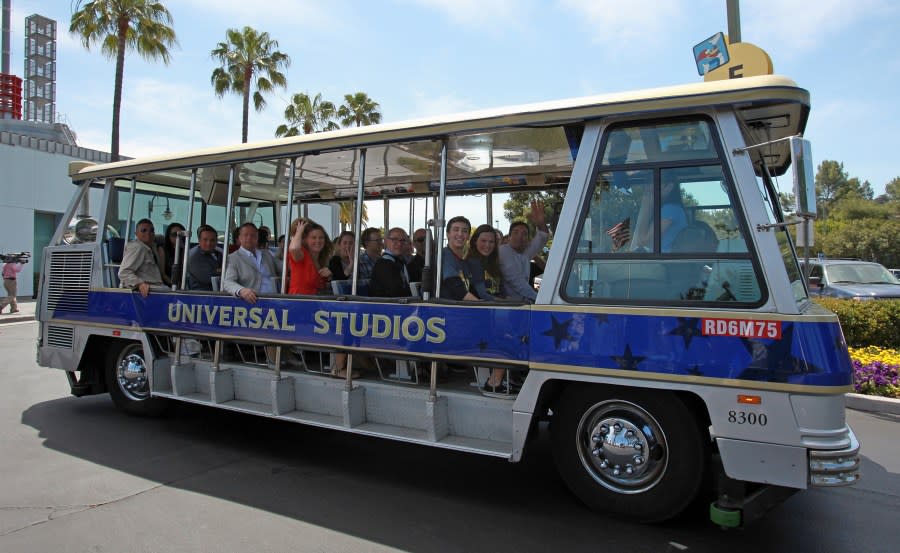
(128, 381)
(638, 454)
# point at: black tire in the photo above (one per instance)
(127, 380)
(661, 463)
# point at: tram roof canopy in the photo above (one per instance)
(502, 147)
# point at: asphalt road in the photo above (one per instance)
(77, 475)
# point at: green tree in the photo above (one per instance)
(359, 110)
(834, 186)
(120, 25)
(248, 58)
(307, 115)
(892, 189)
(870, 239)
(517, 207)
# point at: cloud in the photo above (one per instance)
(799, 26)
(639, 21)
(428, 105)
(303, 14)
(481, 13)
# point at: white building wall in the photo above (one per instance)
(30, 180)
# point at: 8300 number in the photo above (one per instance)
(747, 417)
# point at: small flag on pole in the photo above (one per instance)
(620, 233)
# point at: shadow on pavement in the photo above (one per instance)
(401, 495)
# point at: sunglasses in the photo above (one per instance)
(418, 239)
(145, 229)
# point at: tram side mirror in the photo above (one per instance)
(815, 282)
(804, 177)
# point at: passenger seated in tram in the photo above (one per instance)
(308, 252)
(341, 263)
(483, 252)
(515, 256)
(462, 278)
(204, 260)
(166, 252)
(390, 278)
(372, 244)
(249, 270)
(417, 261)
(457, 272)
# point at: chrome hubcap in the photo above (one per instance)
(131, 374)
(622, 447)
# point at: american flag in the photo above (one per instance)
(620, 233)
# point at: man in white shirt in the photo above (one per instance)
(515, 256)
(249, 270)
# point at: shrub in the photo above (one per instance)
(867, 323)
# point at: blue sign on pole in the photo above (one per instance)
(711, 53)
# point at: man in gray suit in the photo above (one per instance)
(249, 270)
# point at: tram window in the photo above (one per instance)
(659, 142)
(659, 233)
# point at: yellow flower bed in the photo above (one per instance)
(870, 354)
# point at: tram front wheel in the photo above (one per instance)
(638, 454)
(128, 382)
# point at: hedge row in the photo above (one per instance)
(867, 323)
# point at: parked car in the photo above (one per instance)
(895, 272)
(859, 280)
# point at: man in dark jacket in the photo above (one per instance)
(390, 278)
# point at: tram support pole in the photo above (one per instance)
(432, 395)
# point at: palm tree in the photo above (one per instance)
(307, 115)
(120, 25)
(359, 109)
(347, 214)
(248, 57)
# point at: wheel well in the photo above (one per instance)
(552, 390)
(92, 365)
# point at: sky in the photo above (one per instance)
(420, 58)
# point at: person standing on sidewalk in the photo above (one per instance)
(10, 282)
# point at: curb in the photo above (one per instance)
(16, 319)
(872, 404)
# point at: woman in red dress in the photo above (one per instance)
(309, 251)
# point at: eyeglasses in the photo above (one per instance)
(401, 240)
(419, 239)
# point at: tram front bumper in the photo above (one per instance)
(836, 467)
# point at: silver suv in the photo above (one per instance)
(858, 280)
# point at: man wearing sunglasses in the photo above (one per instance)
(139, 269)
(390, 279)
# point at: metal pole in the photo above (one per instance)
(358, 216)
(130, 209)
(734, 21)
(439, 223)
(412, 216)
(489, 201)
(190, 225)
(229, 216)
(387, 214)
(287, 225)
(361, 179)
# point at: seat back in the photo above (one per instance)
(116, 247)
